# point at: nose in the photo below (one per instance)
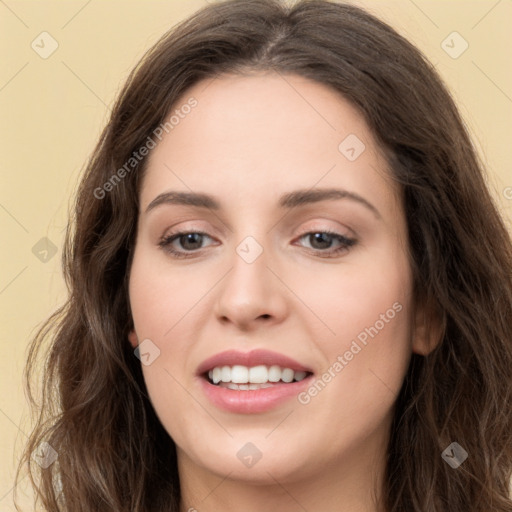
(251, 294)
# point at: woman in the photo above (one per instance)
(337, 336)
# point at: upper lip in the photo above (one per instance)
(250, 359)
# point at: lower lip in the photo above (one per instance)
(252, 401)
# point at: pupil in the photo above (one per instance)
(321, 237)
(190, 237)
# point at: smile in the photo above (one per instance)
(252, 382)
(257, 377)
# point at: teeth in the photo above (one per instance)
(287, 375)
(300, 376)
(225, 374)
(243, 377)
(258, 374)
(244, 387)
(239, 374)
(274, 374)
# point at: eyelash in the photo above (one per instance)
(346, 243)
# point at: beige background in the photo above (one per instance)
(52, 111)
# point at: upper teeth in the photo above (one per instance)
(255, 375)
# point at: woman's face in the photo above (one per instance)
(254, 158)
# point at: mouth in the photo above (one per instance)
(244, 378)
(252, 382)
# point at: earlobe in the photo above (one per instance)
(132, 338)
(428, 330)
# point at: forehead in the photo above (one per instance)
(253, 135)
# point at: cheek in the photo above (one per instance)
(165, 305)
(367, 354)
(159, 295)
(370, 291)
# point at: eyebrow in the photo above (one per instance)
(288, 200)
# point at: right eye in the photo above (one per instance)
(190, 241)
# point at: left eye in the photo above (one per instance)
(322, 241)
(191, 241)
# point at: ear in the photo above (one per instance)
(132, 338)
(428, 329)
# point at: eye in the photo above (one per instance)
(189, 241)
(322, 241)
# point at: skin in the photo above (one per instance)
(249, 140)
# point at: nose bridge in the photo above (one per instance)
(250, 290)
(250, 249)
(249, 275)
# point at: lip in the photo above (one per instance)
(252, 401)
(257, 400)
(249, 359)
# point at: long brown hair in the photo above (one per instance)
(113, 453)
